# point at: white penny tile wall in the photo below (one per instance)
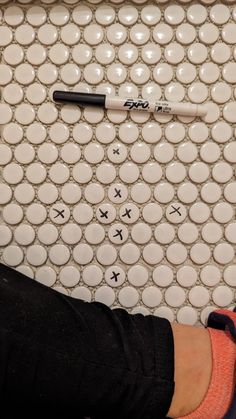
(128, 208)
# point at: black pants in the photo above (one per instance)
(70, 358)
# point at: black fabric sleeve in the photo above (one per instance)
(65, 357)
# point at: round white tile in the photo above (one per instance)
(229, 192)
(222, 296)
(129, 253)
(6, 36)
(59, 15)
(139, 34)
(13, 255)
(128, 15)
(228, 33)
(5, 154)
(137, 275)
(229, 275)
(12, 214)
(13, 54)
(196, 14)
(59, 254)
(200, 253)
(82, 15)
(174, 14)
(36, 16)
(162, 275)
(47, 34)
(219, 14)
(208, 33)
(229, 112)
(13, 173)
(210, 275)
(223, 212)
(25, 35)
(13, 16)
(6, 193)
(220, 52)
(92, 275)
(36, 214)
(175, 296)
(5, 114)
(187, 193)
(116, 34)
(186, 276)
(164, 233)
(162, 33)
(223, 253)
(188, 233)
(197, 53)
(210, 152)
(71, 233)
(199, 212)
(152, 296)
(211, 232)
(106, 254)
(163, 73)
(151, 53)
(186, 33)
(199, 296)
(150, 15)
(83, 254)
(221, 92)
(128, 297)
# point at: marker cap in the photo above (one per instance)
(83, 99)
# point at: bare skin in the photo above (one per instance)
(193, 367)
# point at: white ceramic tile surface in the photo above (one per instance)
(127, 208)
